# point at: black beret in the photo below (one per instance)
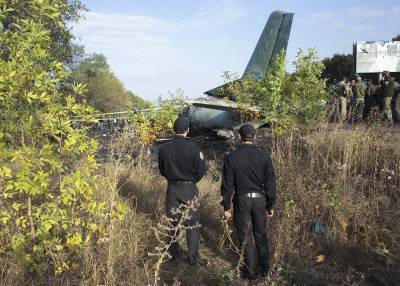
(247, 131)
(181, 125)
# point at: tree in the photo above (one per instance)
(285, 100)
(105, 92)
(397, 38)
(307, 88)
(48, 172)
(65, 11)
(337, 67)
(77, 56)
(158, 122)
(138, 102)
(93, 63)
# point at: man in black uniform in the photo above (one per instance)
(182, 164)
(248, 177)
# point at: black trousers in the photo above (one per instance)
(179, 195)
(250, 222)
(396, 108)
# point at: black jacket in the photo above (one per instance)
(248, 170)
(181, 160)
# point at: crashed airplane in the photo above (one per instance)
(216, 112)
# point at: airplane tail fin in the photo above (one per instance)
(273, 40)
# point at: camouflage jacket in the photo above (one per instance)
(344, 89)
(359, 89)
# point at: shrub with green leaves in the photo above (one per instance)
(48, 171)
(285, 100)
(159, 120)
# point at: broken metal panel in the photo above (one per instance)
(224, 133)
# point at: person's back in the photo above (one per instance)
(249, 178)
(341, 88)
(396, 103)
(183, 165)
(388, 87)
(359, 89)
(348, 90)
(357, 102)
(180, 160)
(249, 164)
(371, 89)
(387, 92)
(370, 98)
(344, 91)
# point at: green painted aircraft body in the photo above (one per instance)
(216, 113)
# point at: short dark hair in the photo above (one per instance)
(181, 125)
(247, 131)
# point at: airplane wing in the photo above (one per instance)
(218, 104)
(273, 40)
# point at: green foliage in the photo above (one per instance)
(307, 87)
(284, 100)
(48, 209)
(270, 95)
(93, 63)
(105, 92)
(138, 102)
(337, 67)
(159, 121)
(55, 17)
(397, 38)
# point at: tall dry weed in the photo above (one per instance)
(338, 193)
(337, 216)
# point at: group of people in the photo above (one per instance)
(248, 188)
(354, 99)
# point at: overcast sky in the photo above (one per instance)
(158, 46)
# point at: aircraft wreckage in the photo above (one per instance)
(216, 112)
(219, 112)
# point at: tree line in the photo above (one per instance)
(105, 92)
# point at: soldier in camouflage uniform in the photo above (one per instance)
(387, 87)
(357, 106)
(343, 92)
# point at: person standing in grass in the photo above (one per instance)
(396, 103)
(387, 86)
(370, 101)
(344, 93)
(249, 179)
(359, 89)
(182, 163)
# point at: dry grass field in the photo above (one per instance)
(337, 217)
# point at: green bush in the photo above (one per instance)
(284, 100)
(105, 92)
(48, 209)
(159, 120)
